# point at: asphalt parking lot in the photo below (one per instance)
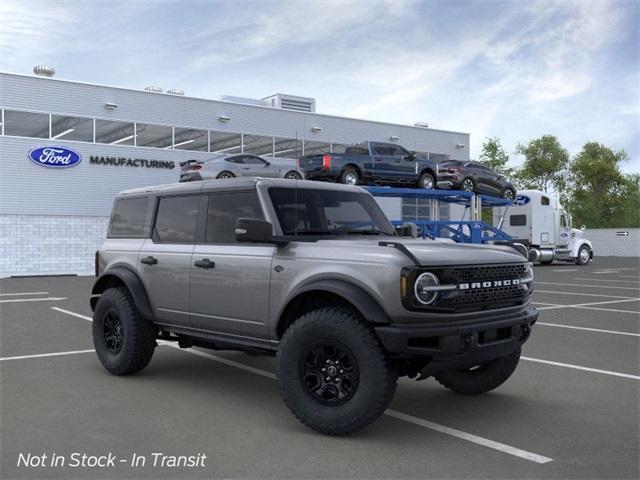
(570, 410)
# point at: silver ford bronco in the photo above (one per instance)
(315, 275)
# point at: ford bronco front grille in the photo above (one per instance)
(479, 287)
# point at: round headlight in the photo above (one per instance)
(422, 290)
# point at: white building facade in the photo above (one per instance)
(53, 219)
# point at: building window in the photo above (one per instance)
(71, 128)
(315, 148)
(114, 133)
(221, 142)
(287, 148)
(190, 139)
(26, 124)
(258, 145)
(157, 136)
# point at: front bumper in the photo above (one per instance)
(448, 347)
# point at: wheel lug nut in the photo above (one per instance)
(323, 369)
(327, 379)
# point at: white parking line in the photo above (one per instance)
(614, 332)
(606, 280)
(48, 299)
(588, 286)
(578, 367)
(469, 437)
(590, 304)
(583, 294)
(23, 293)
(533, 457)
(567, 270)
(610, 310)
(629, 276)
(74, 314)
(41, 355)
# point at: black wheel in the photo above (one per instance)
(480, 378)
(123, 340)
(225, 174)
(332, 372)
(350, 177)
(509, 194)
(426, 181)
(468, 185)
(584, 255)
(293, 175)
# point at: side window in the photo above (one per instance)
(254, 160)
(563, 221)
(238, 159)
(223, 211)
(129, 218)
(176, 219)
(544, 201)
(518, 220)
(399, 151)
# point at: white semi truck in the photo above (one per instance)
(538, 221)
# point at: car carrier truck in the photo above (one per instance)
(539, 222)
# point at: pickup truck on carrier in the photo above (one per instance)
(372, 163)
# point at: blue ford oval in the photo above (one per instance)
(55, 157)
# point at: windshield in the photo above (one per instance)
(328, 212)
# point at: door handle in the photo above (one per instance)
(149, 260)
(204, 263)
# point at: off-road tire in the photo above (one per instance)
(225, 174)
(425, 178)
(484, 379)
(344, 177)
(377, 374)
(138, 334)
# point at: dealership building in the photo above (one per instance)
(53, 219)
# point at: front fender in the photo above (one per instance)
(361, 300)
(123, 275)
(575, 248)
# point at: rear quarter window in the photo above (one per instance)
(129, 218)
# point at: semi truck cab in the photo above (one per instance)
(539, 222)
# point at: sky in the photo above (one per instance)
(515, 70)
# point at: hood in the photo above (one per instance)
(433, 252)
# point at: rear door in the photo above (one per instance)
(165, 259)
(230, 280)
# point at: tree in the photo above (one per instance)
(599, 194)
(495, 157)
(545, 164)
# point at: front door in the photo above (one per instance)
(165, 259)
(253, 166)
(230, 281)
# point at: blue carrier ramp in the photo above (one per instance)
(461, 231)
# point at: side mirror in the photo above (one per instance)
(411, 156)
(253, 230)
(583, 227)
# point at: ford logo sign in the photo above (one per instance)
(521, 200)
(55, 157)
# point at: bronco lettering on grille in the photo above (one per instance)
(488, 284)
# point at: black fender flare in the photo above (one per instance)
(359, 298)
(133, 283)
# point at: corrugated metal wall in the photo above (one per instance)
(613, 242)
